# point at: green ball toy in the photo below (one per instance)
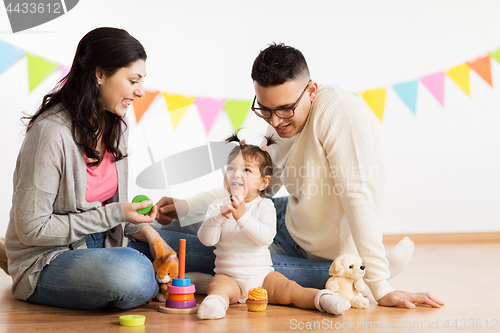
(141, 198)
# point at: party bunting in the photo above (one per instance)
(435, 84)
(142, 104)
(407, 91)
(10, 54)
(482, 66)
(460, 74)
(375, 99)
(208, 108)
(177, 106)
(496, 55)
(38, 69)
(175, 101)
(64, 70)
(237, 111)
(177, 115)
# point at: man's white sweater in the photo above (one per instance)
(333, 172)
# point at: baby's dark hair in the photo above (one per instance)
(253, 153)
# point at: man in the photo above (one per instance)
(328, 158)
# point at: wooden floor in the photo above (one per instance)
(465, 276)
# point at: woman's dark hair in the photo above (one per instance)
(277, 64)
(78, 92)
(253, 153)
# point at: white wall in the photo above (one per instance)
(442, 165)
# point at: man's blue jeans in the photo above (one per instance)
(95, 278)
(288, 258)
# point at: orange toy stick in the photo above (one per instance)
(182, 257)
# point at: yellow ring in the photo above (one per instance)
(132, 320)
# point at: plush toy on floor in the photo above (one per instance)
(165, 269)
(347, 282)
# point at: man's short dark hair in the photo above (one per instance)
(277, 64)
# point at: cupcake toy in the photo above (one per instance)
(257, 299)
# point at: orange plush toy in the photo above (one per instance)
(165, 268)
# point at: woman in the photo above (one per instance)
(70, 216)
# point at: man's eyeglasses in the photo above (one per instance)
(285, 113)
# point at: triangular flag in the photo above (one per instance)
(10, 54)
(176, 115)
(237, 111)
(208, 108)
(496, 55)
(177, 106)
(142, 104)
(38, 69)
(175, 101)
(64, 70)
(407, 91)
(482, 66)
(375, 99)
(435, 84)
(460, 74)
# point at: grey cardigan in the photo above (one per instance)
(49, 213)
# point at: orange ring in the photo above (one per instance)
(180, 297)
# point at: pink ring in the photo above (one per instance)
(181, 290)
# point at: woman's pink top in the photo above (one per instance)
(102, 180)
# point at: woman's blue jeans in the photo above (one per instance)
(123, 277)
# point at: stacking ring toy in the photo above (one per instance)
(141, 198)
(132, 320)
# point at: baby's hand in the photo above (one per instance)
(239, 207)
(225, 210)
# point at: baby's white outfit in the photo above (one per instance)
(241, 246)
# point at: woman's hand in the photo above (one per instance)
(406, 299)
(171, 208)
(131, 215)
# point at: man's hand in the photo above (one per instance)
(406, 299)
(169, 209)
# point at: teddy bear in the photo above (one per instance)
(346, 282)
(165, 268)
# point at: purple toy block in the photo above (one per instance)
(180, 304)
